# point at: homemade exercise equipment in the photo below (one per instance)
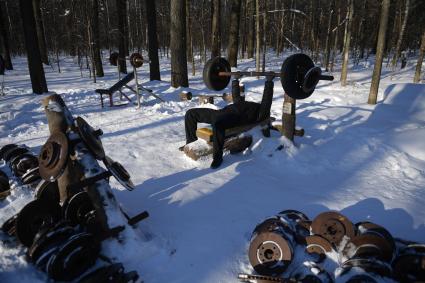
(298, 75)
(136, 61)
(290, 248)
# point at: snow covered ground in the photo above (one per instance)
(366, 161)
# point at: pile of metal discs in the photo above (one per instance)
(291, 248)
(62, 237)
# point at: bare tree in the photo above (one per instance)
(376, 76)
(251, 26)
(397, 52)
(152, 40)
(232, 48)
(258, 35)
(347, 39)
(94, 28)
(5, 41)
(38, 80)
(122, 37)
(417, 78)
(40, 31)
(178, 44)
(215, 28)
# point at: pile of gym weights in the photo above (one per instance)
(290, 248)
(62, 238)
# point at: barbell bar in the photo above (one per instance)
(136, 59)
(298, 75)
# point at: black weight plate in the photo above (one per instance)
(104, 274)
(210, 73)
(90, 139)
(136, 60)
(45, 257)
(293, 71)
(4, 187)
(310, 272)
(2, 174)
(31, 176)
(53, 156)
(26, 162)
(311, 79)
(77, 208)
(32, 217)
(5, 148)
(113, 58)
(48, 191)
(10, 154)
(119, 172)
(8, 226)
(75, 256)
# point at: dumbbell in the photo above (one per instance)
(136, 59)
(298, 75)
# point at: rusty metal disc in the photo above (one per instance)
(270, 253)
(48, 191)
(372, 266)
(6, 148)
(269, 225)
(410, 268)
(293, 215)
(13, 152)
(90, 138)
(119, 172)
(368, 246)
(74, 257)
(370, 228)
(333, 226)
(317, 245)
(310, 272)
(136, 60)
(32, 217)
(77, 208)
(53, 156)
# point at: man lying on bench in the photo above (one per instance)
(239, 113)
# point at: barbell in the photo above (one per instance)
(298, 75)
(136, 59)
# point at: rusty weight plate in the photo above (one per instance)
(333, 226)
(119, 172)
(368, 246)
(370, 228)
(316, 244)
(53, 156)
(270, 253)
(90, 138)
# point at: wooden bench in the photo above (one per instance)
(116, 87)
(234, 139)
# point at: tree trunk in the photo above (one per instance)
(215, 28)
(5, 41)
(95, 39)
(38, 80)
(347, 39)
(417, 78)
(400, 36)
(122, 38)
(376, 76)
(232, 49)
(336, 36)
(328, 35)
(250, 40)
(190, 54)
(258, 35)
(178, 44)
(152, 40)
(40, 31)
(264, 39)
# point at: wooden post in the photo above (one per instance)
(288, 117)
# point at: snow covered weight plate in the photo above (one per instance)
(90, 138)
(332, 226)
(119, 172)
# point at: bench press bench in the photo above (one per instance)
(116, 87)
(233, 139)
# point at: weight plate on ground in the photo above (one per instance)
(113, 58)
(31, 176)
(293, 215)
(371, 266)
(6, 148)
(48, 191)
(368, 246)
(310, 272)
(77, 208)
(369, 228)
(32, 217)
(119, 172)
(293, 72)
(44, 258)
(318, 245)
(75, 256)
(11, 153)
(90, 139)
(136, 60)
(210, 73)
(270, 253)
(332, 226)
(4, 187)
(410, 268)
(24, 162)
(53, 156)
(8, 227)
